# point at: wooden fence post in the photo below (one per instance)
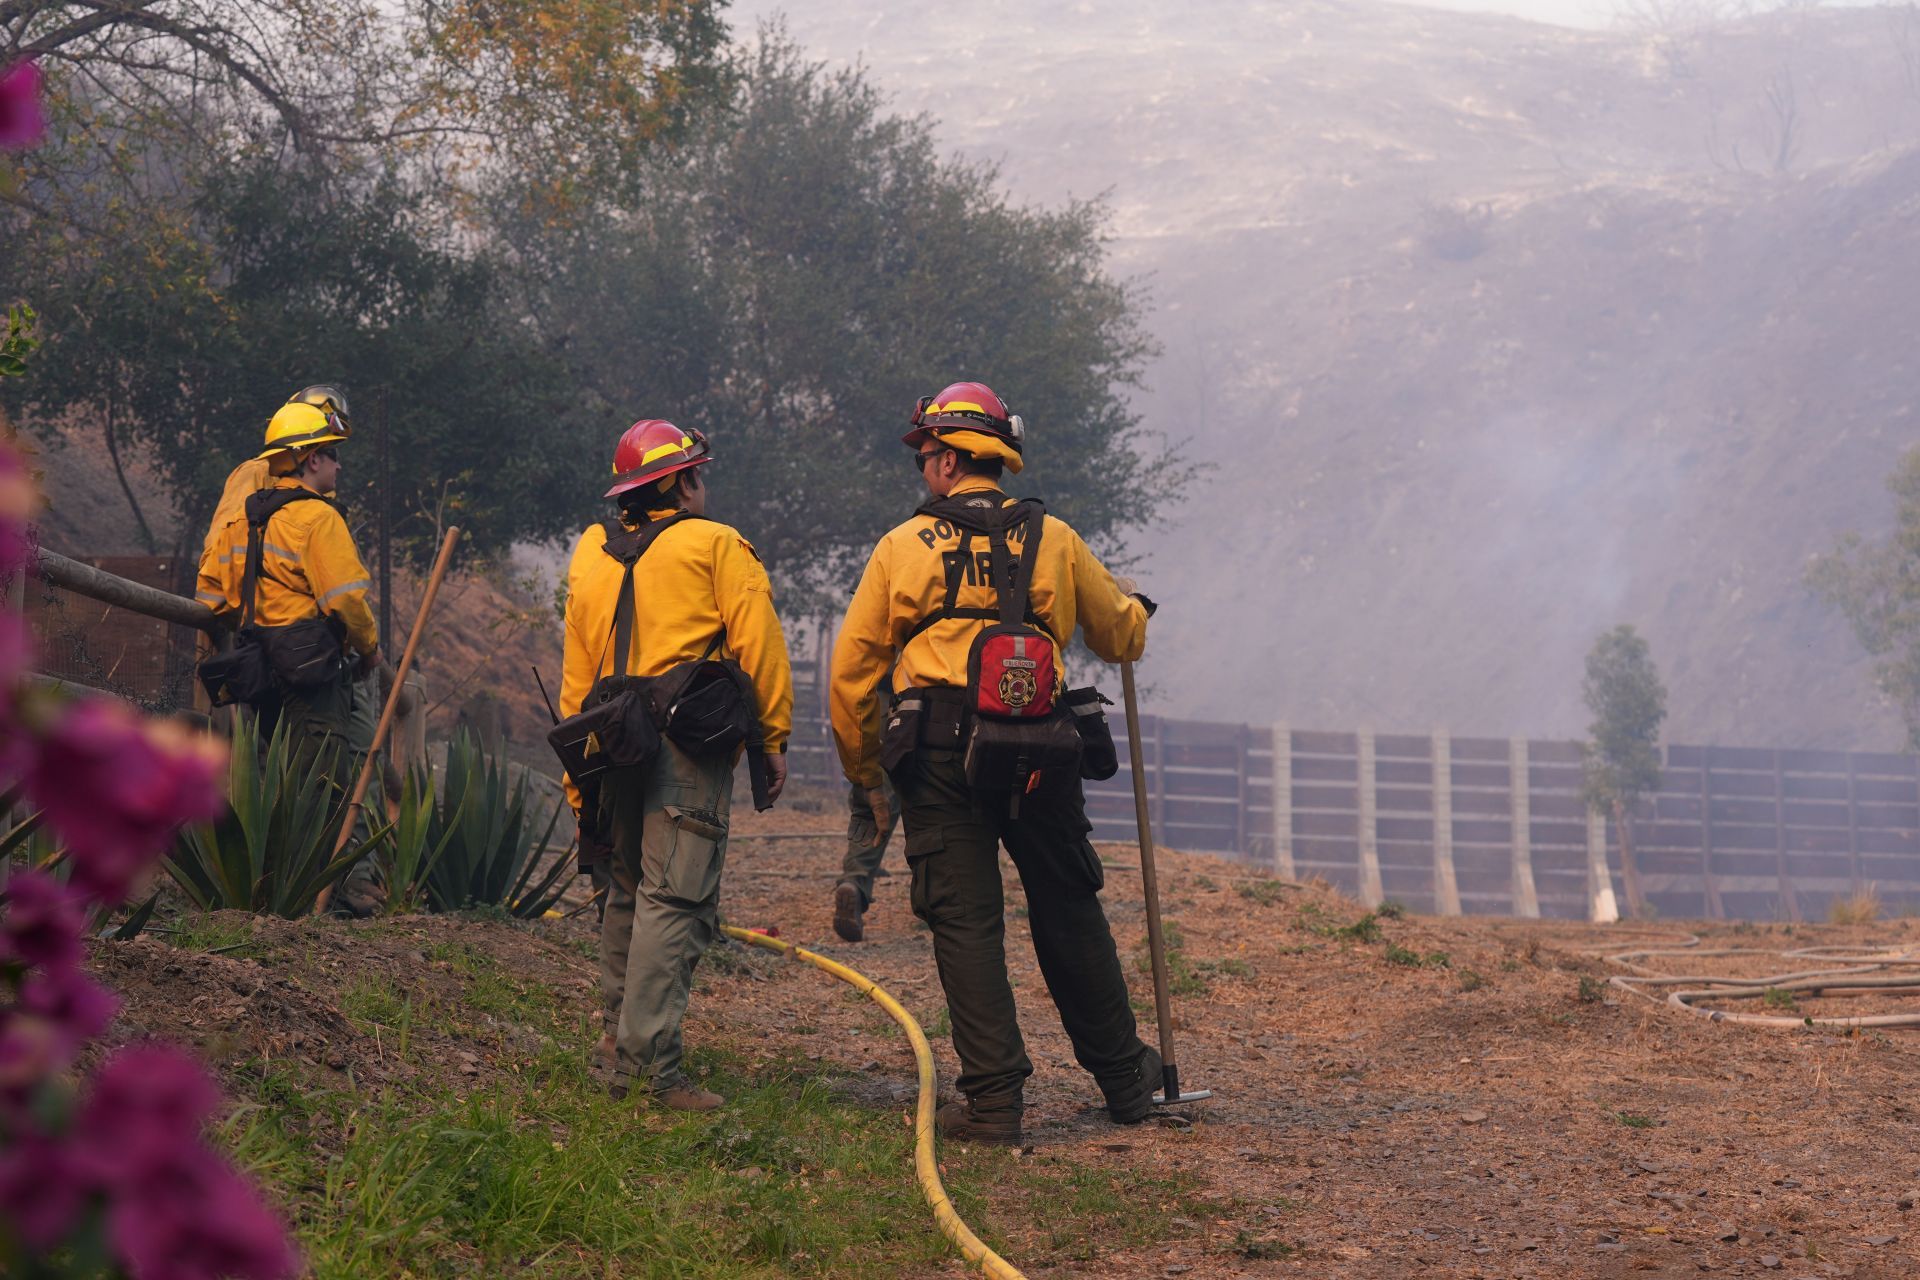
(1446, 884)
(1601, 905)
(1525, 899)
(1283, 800)
(1372, 894)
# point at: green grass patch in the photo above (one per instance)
(226, 932)
(1591, 990)
(1184, 976)
(1776, 998)
(1633, 1121)
(1264, 892)
(1411, 959)
(547, 1174)
(1471, 981)
(1391, 909)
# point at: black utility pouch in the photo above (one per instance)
(1099, 758)
(615, 730)
(305, 654)
(901, 736)
(706, 707)
(1005, 754)
(240, 675)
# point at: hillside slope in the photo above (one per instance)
(1497, 334)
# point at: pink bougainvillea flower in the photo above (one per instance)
(74, 1005)
(44, 922)
(114, 787)
(197, 1220)
(147, 1107)
(42, 1190)
(22, 120)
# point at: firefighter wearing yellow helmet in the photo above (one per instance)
(305, 602)
(969, 604)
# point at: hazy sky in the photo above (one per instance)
(1570, 13)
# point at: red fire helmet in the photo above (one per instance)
(653, 449)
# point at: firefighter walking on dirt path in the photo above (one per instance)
(699, 591)
(309, 603)
(927, 602)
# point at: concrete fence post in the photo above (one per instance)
(1283, 801)
(1601, 906)
(1526, 901)
(1446, 884)
(1371, 892)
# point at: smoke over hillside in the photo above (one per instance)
(1497, 334)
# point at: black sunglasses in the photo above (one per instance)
(920, 460)
(328, 452)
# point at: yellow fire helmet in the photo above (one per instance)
(301, 426)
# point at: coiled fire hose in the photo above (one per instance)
(1831, 971)
(925, 1167)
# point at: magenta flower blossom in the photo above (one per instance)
(22, 121)
(43, 924)
(42, 1190)
(198, 1220)
(115, 788)
(74, 1005)
(148, 1105)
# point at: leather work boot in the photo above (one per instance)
(687, 1096)
(997, 1124)
(847, 912)
(1131, 1101)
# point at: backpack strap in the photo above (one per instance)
(261, 507)
(1011, 591)
(627, 546)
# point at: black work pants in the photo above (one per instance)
(953, 849)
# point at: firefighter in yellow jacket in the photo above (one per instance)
(924, 597)
(700, 590)
(309, 569)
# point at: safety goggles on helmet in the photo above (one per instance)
(330, 400)
(930, 415)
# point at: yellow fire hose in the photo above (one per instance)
(925, 1167)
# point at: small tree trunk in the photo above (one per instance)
(1629, 873)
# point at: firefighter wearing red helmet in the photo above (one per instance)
(699, 591)
(970, 603)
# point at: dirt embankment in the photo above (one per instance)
(1418, 1096)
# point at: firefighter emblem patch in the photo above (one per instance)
(1018, 688)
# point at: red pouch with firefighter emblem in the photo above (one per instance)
(1021, 735)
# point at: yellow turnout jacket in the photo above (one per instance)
(699, 579)
(309, 566)
(906, 581)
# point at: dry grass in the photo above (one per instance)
(1861, 908)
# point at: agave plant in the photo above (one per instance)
(414, 847)
(272, 853)
(487, 853)
(28, 845)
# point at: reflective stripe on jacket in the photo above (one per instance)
(308, 566)
(699, 577)
(906, 581)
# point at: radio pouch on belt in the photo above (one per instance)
(1020, 733)
(262, 659)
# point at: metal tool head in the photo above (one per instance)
(1197, 1095)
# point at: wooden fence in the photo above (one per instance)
(1495, 826)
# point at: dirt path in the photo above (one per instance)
(1490, 1116)
(1439, 1097)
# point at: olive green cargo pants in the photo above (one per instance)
(667, 824)
(866, 842)
(953, 848)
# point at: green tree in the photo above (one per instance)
(1629, 704)
(1876, 585)
(802, 268)
(180, 344)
